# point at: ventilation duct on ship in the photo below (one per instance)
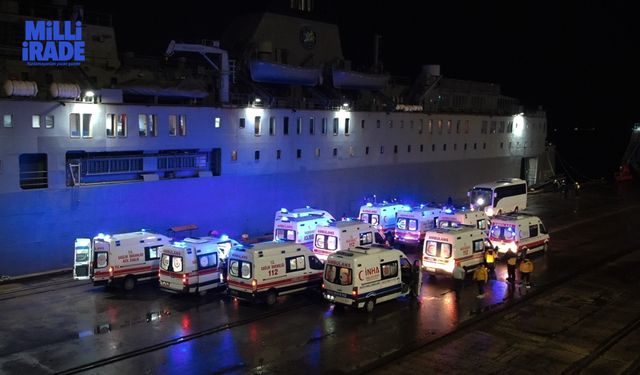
(65, 90)
(20, 88)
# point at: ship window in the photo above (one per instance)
(509, 127)
(501, 144)
(216, 122)
(465, 147)
(366, 150)
(501, 128)
(390, 123)
(299, 126)
(121, 125)
(33, 171)
(74, 125)
(439, 126)
(312, 125)
(448, 126)
(7, 121)
(346, 126)
(182, 125)
(256, 155)
(241, 123)
(433, 147)
(256, 126)
(299, 153)
(48, 122)
(455, 146)
(86, 125)
(272, 126)
(466, 126)
(336, 125)
(382, 149)
(421, 129)
(483, 130)
(351, 151)
(411, 124)
(362, 124)
(317, 152)
(278, 154)
(444, 147)
(395, 149)
(401, 124)
(173, 124)
(421, 148)
(475, 146)
(335, 152)
(285, 125)
(430, 126)
(378, 124)
(484, 145)
(324, 125)
(510, 145)
(142, 125)
(458, 127)
(492, 130)
(110, 125)
(409, 148)
(35, 121)
(234, 155)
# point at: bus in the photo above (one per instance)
(502, 196)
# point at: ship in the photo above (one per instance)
(221, 134)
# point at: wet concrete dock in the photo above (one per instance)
(76, 327)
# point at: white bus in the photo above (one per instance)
(499, 197)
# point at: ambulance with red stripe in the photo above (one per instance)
(194, 265)
(454, 218)
(299, 225)
(341, 235)
(381, 214)
(363, 277)
(518, 233)
(119, 259)
(412, 224)
(444, 247)
(267, 270)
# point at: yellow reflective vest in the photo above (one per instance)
(526, 266)
(481, 274)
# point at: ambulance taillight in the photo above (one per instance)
(354, 292)
(323, 286)
(254, 284)
(184, 279)
(110, 270)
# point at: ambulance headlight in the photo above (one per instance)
(489, 211)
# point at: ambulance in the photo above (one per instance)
(341, 235)
(444, 247)
(454, 218)
(518, 233)
(194, 265)
(267, 270)
(299, 226)
(412, 224)
(381, 214)
(363, 277)
(122, 259)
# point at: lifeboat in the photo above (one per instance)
(270, 72)
(345, 79)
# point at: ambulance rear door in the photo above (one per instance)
(82, 259)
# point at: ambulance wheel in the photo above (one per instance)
(370, 305)
(271, 298)
(129, 283)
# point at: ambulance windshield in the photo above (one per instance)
(337, 275)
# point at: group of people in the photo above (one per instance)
(487, 271)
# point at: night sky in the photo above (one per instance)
(576, 58)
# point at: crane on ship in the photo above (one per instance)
(203, 50)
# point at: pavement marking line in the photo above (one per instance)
(585, 221)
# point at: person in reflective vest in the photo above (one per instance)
(458, 279)
(490, 260)
(481, 275)
(512, 260)
(526, 267)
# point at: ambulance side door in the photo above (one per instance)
(82, 259)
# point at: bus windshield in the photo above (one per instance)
(481, 197)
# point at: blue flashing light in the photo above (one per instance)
(369, 204)
(224, 237)
(283, 210)
(448, 210)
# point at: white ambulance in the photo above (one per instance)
(454, 218)
(269, 269)
(411, 225)
(124, 258)
(341, 235)
(364, 277)
(381, 214)
(300, 225)
(519, 233)
(445, 246)
(194, 265)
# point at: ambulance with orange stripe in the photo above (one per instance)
(444, 247)
(119, 259)
(363, 277)
(518, 233)
(267, 270)
(194, 265)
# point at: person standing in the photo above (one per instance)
(512, 260)
(490, 261)
(458, 279)
(526, 267)
(481, 275)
